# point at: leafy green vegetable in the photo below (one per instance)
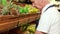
(4, 2)
(6, 6)
(31, 28)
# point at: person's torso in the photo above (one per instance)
(55, 26)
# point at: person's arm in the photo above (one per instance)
(39, 32)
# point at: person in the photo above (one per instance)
(49, 22)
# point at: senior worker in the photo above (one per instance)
(49, 22)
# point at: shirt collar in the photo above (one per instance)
(46, 7)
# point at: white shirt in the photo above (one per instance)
(49, 21)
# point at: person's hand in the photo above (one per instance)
(39, 3)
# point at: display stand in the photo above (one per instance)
(13, 22)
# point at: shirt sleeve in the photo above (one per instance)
(46, 20)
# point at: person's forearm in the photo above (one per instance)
(38, 32)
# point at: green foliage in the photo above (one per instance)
(28, 28)
(31, 28)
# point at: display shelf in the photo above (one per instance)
(13, 19)
(12, 23)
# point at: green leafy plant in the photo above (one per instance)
(5, 10)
